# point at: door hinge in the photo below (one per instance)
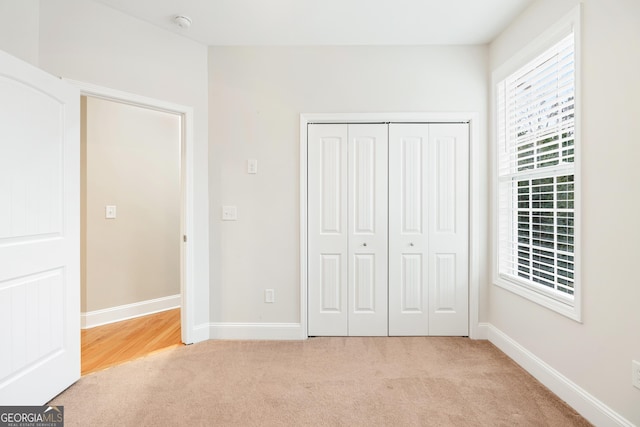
(184, 238)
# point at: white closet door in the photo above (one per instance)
(408, 229)
(327, 230)
(368, 229)
(428, 229)
(448, 229)
(388, 229)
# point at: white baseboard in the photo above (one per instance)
(480, 332)
(200, 333)
(255, 331)
(579, 399)
(105, 316)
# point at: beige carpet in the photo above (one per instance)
(415, 381)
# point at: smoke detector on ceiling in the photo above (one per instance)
(182, 21)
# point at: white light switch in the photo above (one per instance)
(229, 213)
(269, 296)
(252, 166)
(110, 212)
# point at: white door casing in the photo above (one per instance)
(39, 234)
(189, 332)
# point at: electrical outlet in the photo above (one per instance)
(269, 296)
(635, 373)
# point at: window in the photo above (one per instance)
(537, 177)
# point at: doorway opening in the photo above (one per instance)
(134, 215)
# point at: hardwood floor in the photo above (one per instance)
(116, 343)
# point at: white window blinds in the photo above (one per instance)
(535, 137)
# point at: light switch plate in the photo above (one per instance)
(110, 212)
(269, 296)
(229, 213)
(252, 166)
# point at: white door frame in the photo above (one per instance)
(474, 201)
(187, 183)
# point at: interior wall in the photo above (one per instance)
(89, 42)
(132, 162)
(19, 29)
(256, 95)
(595, 354)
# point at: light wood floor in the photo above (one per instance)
(116, 343)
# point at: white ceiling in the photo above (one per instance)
(330, 22)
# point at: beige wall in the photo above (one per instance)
(595, 354)
(87, 41)
(19, 29)
(132, 161)
(256, 96)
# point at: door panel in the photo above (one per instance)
(364, 284)
(412, 197)
(408, 233)
(332, 185)
(331, 283)
(412, 284)
(327, 207)
(39, 234)
(445, 184)
(449, 230)
(367, 229)
(445, 283)
(364, 184)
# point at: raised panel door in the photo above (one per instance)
(39, 234)
(367, 244)
(408, 229)
(449, 230)
(327, 233)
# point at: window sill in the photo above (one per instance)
(572, 311)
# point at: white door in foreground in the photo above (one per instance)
(39, 234)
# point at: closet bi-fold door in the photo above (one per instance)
(367, 243)
(428, 229)
(347, 220)
(327, 229)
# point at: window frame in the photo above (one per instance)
(548, 298)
